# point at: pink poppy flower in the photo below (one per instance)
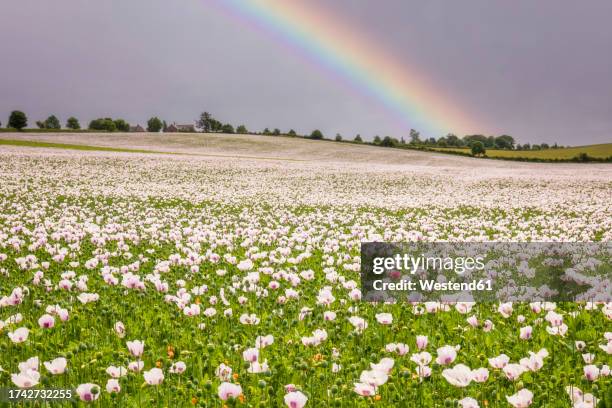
(154, 376)
(223, 372)
(119, 329)
(513, 371)
(480, 375)
(116, 372)
(446, 355)
(384, 318)
(46, 321)
(421, 342)
(591, 372)
(500, 361)
(469, 402)
(365, 390)
(228, 390)
(135, 347)
(112, 386)
(521, 399)
(385, 365)
(26, 379)
(56, 366)
(250, 355)
(295, 399)
(178, 368)
(19, 335)
(88, 392)
(526, 332)
(459, 376)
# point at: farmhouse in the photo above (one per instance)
(137, 128)
(173, 128)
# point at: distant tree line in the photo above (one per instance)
(503, 142)
(109, 125)
(477, 144)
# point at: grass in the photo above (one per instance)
(600, 151)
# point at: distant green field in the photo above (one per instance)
(600, 151)
(33, 143)
(70, 146)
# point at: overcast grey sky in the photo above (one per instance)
(538, 70)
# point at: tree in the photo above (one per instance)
(40, 124)
(52, 122)
(453, 140)
(17, 120)
(338, 137)
(292, 133)
(316, 134)
(104, 124)
(504, 142)
(242, 130)
(154, 124)
(276, 132)
(490, 143)
(215, 125)
(415, 137)
(122, 125)
(442, 142)
(388, 141)
(227, 128)
(469, 139)
(165, 126)
(73, 123)
(204, 122)
(377, 139)
(478, 148)
(358, 138)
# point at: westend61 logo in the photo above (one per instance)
(486, 271)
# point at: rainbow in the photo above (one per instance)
(402, 90)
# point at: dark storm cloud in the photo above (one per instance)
(536, 70)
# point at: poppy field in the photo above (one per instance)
(174, 281)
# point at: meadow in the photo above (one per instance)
(213, 279)
(599, 151)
